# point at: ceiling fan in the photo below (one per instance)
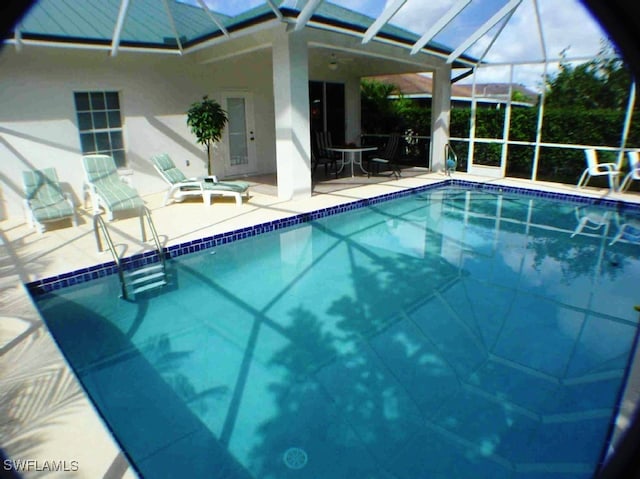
(335, 61)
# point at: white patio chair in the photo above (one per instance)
(634, 170)
(591, 218)
(598, 169)
(628, 230)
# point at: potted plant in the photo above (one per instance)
(207, 119)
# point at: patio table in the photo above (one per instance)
(351, 155)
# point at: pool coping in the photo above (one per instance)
(82, 275)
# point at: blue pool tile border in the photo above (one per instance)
(84, 275)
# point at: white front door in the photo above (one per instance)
(239, 134)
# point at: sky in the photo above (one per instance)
(566, 25)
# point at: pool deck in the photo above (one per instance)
(45, 417)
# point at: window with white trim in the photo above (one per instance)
(100, 124)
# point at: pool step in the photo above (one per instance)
(145, 278)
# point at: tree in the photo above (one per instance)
(383, 114)
(517, 95)
(207, 120)
(379, 114)
(602, 83)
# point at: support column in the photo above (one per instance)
(352, 110)
(440, 116)
(291, 104)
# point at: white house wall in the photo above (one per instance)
(38, 126)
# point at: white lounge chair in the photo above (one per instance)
(44, 199)
(207, 186)
(106, 188)
(634, 170)
(598, 169)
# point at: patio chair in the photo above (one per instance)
(106, 188)
(598, 169)
(388, 158)
(590, 218)
(322, 159)
(629, 231)
(44, 199)
(323, 143)
(634, 170)
(181, 187)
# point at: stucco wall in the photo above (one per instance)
(38, 126)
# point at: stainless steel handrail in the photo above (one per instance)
(99, 224)
(450, 159)
(145, 213)
(449, 150)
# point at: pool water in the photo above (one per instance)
(450, 334)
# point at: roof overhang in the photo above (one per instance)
(174, 43)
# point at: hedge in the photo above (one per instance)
(564, 126)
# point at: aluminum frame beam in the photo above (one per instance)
(543, 43)
(440, 25)
(495, 37)
(306, 14)
(173, 25)
(383, 19)
(117, 31)
(214, 19)
(488, 25)
(275, 9)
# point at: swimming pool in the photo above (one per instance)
(453, 333)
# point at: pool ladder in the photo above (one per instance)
(141, 279)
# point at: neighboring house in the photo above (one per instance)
(499, 93)
(419, 87)
(118, 77)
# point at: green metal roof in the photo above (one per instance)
(455, 29)
(332, 13)
(148, 24)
